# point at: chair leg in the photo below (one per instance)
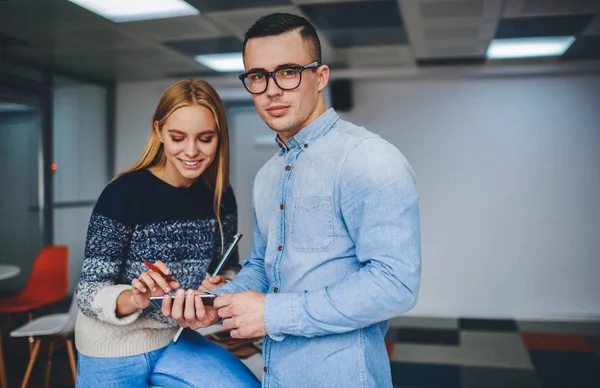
(34, 352)
(3, 380)
(49, 363)
(71, 351)
(6, 327)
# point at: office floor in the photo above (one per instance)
(438, 353)
(471, 353)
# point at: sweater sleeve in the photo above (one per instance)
(108, 236)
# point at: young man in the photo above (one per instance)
(336, 250)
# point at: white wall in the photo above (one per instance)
(508, 172)
(509, 175)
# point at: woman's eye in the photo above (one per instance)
(177, 139)
(206, 139)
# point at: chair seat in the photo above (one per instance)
(19, 304)
(47, 325)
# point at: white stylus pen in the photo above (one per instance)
(228, 252)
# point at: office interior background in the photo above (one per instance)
(495, 103)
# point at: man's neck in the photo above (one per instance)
(287, 135)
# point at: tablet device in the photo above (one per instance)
(207, 299)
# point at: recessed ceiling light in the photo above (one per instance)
(134, 10)
(228, 62)
(551, 46)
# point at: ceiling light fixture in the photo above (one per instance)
(229, 62)
(551, 46)
(134, 10)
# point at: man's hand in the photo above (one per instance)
(244, 313)
(189, 311)
(212, 282)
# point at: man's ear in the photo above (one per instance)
(323, 76)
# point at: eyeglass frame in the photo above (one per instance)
(271, 74)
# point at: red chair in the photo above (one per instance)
(48, 282)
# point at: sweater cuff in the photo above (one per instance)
(105, 305)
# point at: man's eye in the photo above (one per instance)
(256, 77)
(288, 72)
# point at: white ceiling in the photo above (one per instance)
(59, 34)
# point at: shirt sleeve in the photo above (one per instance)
(379, 204)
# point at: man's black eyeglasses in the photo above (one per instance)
(286, 78)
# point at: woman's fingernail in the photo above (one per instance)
(167, 289)
(190, 292)
(180, 292)
(143, 290)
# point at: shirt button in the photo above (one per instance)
(288, 167)
(276, 290)
(281, 206)
(265, 369)
(280, 248)
(305, 145)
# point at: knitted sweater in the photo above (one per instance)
(140, 217)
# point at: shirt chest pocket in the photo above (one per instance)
(312, 223)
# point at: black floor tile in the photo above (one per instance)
(478, 377)
(424, 336)
(566, 369)
(405, 374)
(503, 325)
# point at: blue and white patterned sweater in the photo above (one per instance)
(140, 217)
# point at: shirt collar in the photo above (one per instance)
(317, 128)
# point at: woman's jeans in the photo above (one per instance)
(193, 362)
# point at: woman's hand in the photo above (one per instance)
(151, 283)
(212, 283)
(188, 310)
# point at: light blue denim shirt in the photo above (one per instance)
(337, 251)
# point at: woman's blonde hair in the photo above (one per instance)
(190, 92)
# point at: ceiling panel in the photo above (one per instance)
(191, 48)
(433, 10)
(568, 25)
(584, 47)
(533, 8)
(228, 5)
(378, 56)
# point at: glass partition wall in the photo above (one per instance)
(56, 157)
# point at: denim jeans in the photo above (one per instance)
(193, 362)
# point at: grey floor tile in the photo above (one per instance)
(424, 322)
(500, 350)
(431, 354)
(584, 328)
(479, 349)
(475, 377)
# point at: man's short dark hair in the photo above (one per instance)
(279, 23)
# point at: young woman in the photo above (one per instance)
(174, 208)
